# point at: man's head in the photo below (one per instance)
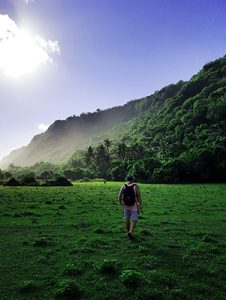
(130, 178)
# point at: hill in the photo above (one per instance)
(64, 137)
(181, 125)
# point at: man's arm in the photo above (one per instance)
(120, 195)
(139, 197)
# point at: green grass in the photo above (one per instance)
(70, 243)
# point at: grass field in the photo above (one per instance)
(70, 243)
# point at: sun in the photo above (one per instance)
(20, 52)
(21, 55)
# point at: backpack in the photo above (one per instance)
(129, 195)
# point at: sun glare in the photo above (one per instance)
(20, 52)
(22, 55)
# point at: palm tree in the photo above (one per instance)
(89, 155)
(121, 151)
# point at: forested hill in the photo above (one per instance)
(181, 128)
(64, 137)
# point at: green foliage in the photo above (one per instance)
(175, 136)
(59, 181)
(28, 179)
(12, 182)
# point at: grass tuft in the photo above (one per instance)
(27, 286)
(108, 266)
(69, 290)
(131, 278)
(41, 242)
(72, 269)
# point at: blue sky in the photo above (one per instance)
(110, 52)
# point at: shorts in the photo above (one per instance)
(130, 214)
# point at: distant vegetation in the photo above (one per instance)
(28, 177)
(175, 135)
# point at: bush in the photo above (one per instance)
(28, 179)
(60, 181)
(12, 182)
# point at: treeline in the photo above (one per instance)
(116, 161)
(40, 174)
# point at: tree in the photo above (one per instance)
(121, 151)
(7, 175)
(46, 175)
(89, 156)
(107, 144)
(1, 175)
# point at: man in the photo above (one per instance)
(129, 197)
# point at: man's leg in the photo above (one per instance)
(133, 223)
(127, 220)
(127, 225)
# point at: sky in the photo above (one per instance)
(60, 58)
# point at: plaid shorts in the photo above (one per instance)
(130, 214)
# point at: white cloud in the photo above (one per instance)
(28, 1)
(43, 127)
(20, 52)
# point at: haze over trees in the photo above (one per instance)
(175, 135)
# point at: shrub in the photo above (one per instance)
(60, 181)
(29, 180)
(12, 182)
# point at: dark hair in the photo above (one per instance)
(130, 178)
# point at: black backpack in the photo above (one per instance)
(129, 195)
